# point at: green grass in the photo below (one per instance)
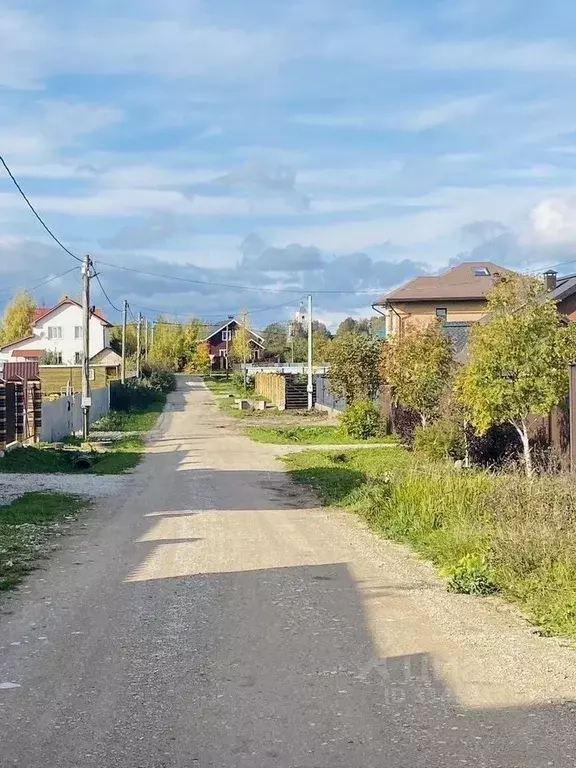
(131, 421)
(337, 476)
(485, 532)
(322, 435)
(124, 455)
(26, 527)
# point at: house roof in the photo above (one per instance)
(28, 352)
(212, 330)
(457, 284)
(17, 341)
(42, 312)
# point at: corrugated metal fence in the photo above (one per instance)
(324, 396)
(63, 417)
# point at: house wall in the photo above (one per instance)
(425, 311)
(68, 318)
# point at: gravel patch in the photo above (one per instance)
(12, 486)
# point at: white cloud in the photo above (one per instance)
(554, 220)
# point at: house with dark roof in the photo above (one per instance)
(220, 340)
(457, 298)
(57, 332)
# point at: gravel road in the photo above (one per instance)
(96, 486)
(213, 615)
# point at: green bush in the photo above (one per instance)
(361, 420)
(441, 440)
(162, 380)
(134, 395)
(471, 576)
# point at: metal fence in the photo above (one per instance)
(325, 398)
(63, 417)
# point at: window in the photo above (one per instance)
(91, 374)
(77, 358)
(54, 331)
(481, 272)
(78, 332)
(227, 335)
(222, 353)
(442, 314)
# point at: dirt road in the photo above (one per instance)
(213, 616)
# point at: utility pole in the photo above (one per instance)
(146, 340)
(138, 344)
(86, 399)
(151, 335)
(124, 322)
(310, 387)
(228, 347)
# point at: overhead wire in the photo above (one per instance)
(34, 211)
(114, 307)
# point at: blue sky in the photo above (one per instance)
(306, 145)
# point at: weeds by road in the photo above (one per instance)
(131, 421)
(486, 532)
(27, 526)
(123, 455)
(322, 435)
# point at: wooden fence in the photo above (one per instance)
(285, 391)
(20, 412)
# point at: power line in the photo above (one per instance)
(223, 312)
(45, 281)
(29, 204)
(114, 307)
(235, 286)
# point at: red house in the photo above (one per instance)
(220, 338)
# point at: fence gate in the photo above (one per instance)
(10, 412)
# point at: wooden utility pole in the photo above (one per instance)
(310, 387)
(151, 335)
(138, 344)
(124, 323)
(86, 398)
(146, 339)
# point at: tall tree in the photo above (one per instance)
(347, 326)
(518, 359)
(18, 318)
(354, 359)
(201, 362)
(241, 343)
(417, 365)
(174, 343)
(276, 341)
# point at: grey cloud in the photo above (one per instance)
(156, 230)
(292, 258)
(276, 180)
(479, 232)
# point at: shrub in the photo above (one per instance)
(162, 380)
(471, 576)
(134, 395)
(440, 440)
(404, 423)
(361, 420)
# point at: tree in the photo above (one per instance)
(242, 344)
(518, 359)
(201, 360)
(18, 318)
(174, 344)
(353, 362)
(116, 340)
(347, 326)
(276, 341)
(417, 365)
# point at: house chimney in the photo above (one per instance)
(550, 278)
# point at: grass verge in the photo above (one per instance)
(322, 435)
(124, 455)
(26, 527)
(140, 420)
(485, 532)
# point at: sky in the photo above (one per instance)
(309, 145)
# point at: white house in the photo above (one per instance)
(59, 331)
